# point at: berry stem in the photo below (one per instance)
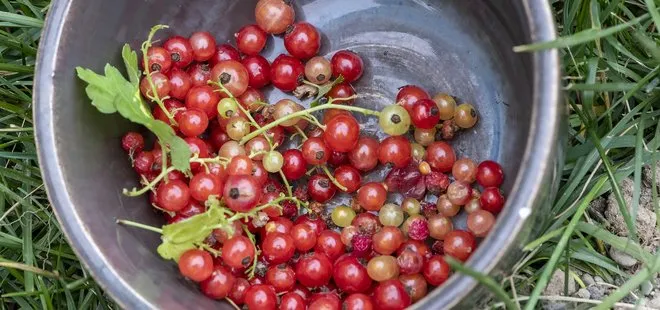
(231, 302)
(139, 225)
(250, 271)
(306, 112)
(332, 178)
(145, 59)
(301, 132)
(135, 192)
(286, 183)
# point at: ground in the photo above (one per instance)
(586, 257)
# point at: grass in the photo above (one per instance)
(611, 66)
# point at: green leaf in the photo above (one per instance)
(112, 93)
(185, 235)
(102, 98)
(130, 61)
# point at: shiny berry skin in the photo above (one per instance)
(459, 193)
(278, 248)
(294, 164)
(132, 142)
(203, 185)
(365, 154)
(159, 59)
(241, 192)
(281, 277)
(233, 75)
(465, 116)
(320, 188)
(338, 158)
(440, 155)
(358, 301)
(181, 52)
(258, 69)
(240, 165)
(161, 83)
(391, 295)
(192, 122)
(173, 106)
(492, 200)
(287, 73)
(350, 275)
(173, 196)
(251, 40)
(410, 262)
(372, 196)
(342, 91)
(490, 174)
(415, 285)
(219, 284)
(218, 137)
(292, 301)
(314, 270)
(316, 223)
(324, 301)
(367, 222)
(238, 252)
(408, 95)
(302, 40)
(198, 146)
(347, 64)
(315, 152)
(203, 98)
(261, 297)
(395, 150)
(459, 244)
(418, 246)
(199, 73)
(225, 52)
(436, 271)
(180, 83)
(480, 222)
(425, 114)
(329, 243)
(274, 16)
(203, 45)
(387, 240)
(342, 133)
(304, 237)
(349, 177)
(464, 170)
(237, 292)
(196, 265)
(318, 70)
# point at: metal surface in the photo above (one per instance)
(462, 47)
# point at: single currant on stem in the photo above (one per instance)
(274, 16)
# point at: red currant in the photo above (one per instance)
(408, 95)
(196, 265)
(304, 237)
(203, 185)
(173, 196)
(314, 270)
(192, 122)
(261, 297)
(258, 69)
(459, 244)
(287, 73)
(358, 301)
(395, 150)
(294, 166)
(219, 284)
(347, 64)
(490, 174)
(274, 16)
(203, 98)
(281, 277)
(199, 73)
(329, 243)
(436, 270)
(241, 193)
(320, 188)
(302, 40)
(440, 155)
(238, 252)
(391, 295)
(159, 59)
(181, 52)
(492, 200)
(251, 40)
(278, 248)
(315, 151)
(350, 275)
(425, 114)
(225, 52)
(180, 83)
(233, 75)
(342, 91)
(292, 301)
(372, 196)
(342, 133)
(348, 177)
(365, 154)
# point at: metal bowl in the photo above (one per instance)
(462, 47)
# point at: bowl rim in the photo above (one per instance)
(536, 165)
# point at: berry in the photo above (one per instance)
(219, 284)
(347, 64)
(261, 297)
(416, 227)
(196, 265)
(391, 295)
(362, 245)
(489, 174)
(274, 16)
(492, 200)
(314, 270)
(302, 40)
(436, 182)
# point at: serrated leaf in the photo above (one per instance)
(179, 149)
(102, 98)
(131, 63)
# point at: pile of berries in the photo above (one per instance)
(370, 254)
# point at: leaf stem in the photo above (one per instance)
(140, 225)
(145, 59)
(135, 192)
(332, 178)
(329, 105)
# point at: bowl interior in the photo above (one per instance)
(459, 47)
